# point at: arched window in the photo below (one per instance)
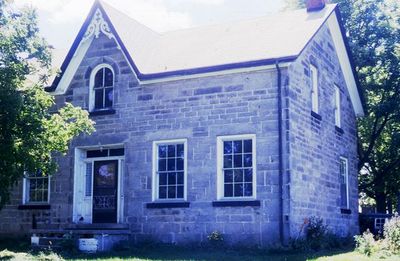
(102, 88)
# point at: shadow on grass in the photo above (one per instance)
(15, 244)
(183, 253)
(168, 252)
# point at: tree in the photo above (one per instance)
(32, 130)
(373, 30)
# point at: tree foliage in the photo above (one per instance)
(373, 30)
(31, 129)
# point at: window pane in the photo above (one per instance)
(237, 146)
(180, 177)
(248, 160)
(108, 102)
(162, 165)
(108, 78)
(162, 193)
(171, 191)
(171, 151)
(248, 189)
(162, 179)
(180, 152)
(248, 175)
(238, 161)
(96, 153)
(228, 190)
(98, 78)
(179, 192)
(45, 196)
(228, 161)
(171, 164)
(32, 184)
(40, 184)
(238, 175)
(227, 147)
(172, 178)
(238, 190)
(343, 195)
(162, 151)
(32, 196)
(228, 176)
(179, 164)
(248, 146)
(117, 152)
(98, 99)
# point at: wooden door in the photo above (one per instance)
(105, 191)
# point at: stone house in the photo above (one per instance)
(246, 128)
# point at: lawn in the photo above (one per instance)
(176, 253)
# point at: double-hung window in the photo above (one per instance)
(314, 89)
(36, 188)
(169, 164)
(236, 167)
(337, 107)
(344, 183)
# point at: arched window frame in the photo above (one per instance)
(92, 82)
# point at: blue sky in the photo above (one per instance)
(60, 20)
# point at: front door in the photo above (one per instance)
(105, 191)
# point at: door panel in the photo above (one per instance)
(105, 191)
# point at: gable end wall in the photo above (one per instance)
(315, 145)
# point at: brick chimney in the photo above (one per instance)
(315, 5)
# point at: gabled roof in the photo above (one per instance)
(257, 39)
(251, 43)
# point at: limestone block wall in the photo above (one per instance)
(198, 110)
(315, 144)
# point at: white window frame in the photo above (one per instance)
(91, 84)
(155, 180)
(220, 164)
(347, 181)
(25, 191)
(338, 112)
(314, 89)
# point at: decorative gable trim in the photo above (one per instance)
(98, 25)
(96, 22)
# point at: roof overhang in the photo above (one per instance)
(346, 62)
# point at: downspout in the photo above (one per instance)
(280, 148)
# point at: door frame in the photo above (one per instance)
(79, 181)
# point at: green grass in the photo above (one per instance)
(21, 252)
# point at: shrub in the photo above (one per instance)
(215, 238)
(315, 232)
(392, 234)
(366, 244)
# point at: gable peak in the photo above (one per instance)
(98, 25)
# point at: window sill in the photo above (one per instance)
(102, 112)
(33, 206)
(339, 130)
(236, 203)
(168, 205)
(345, 211)
(316, 115)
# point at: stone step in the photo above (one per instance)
(98, 226)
